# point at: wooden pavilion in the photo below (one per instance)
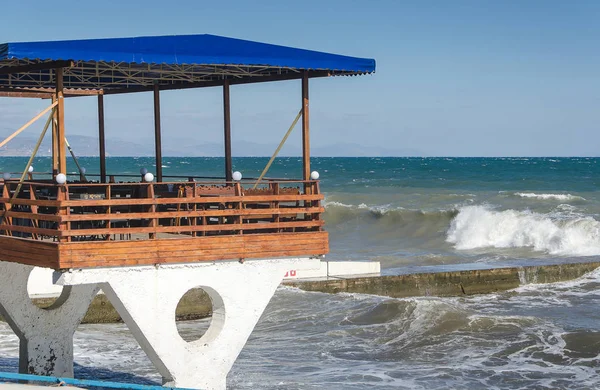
(64, 224)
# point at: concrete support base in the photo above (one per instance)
(146, 298)
(45, 335)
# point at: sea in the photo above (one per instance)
(411, 215)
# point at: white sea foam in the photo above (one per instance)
(562, 197)
(379, 209)
(480, 227)
(339, 204)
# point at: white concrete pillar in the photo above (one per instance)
(45, 335)
(146, 298)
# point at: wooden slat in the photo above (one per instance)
(190, 228)
(189, 250)
(191, 256)
(36, 216)
(26, 245)
(134, 253)
(31, 202)
(185, 258)
(199, 200)
(24, 251)
(28, 259)
(188, 214)
(32, 230)
(317, 247)
(179, 241)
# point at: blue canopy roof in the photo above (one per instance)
(126, 63)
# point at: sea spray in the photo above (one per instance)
(482, 227)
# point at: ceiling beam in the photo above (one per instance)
(216, 83)
(46, 93)
(36, 66)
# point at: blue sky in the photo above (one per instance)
(454, 78)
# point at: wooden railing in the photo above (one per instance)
(134, 211)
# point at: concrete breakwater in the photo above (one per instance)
(452, 283)
(196, 303)
(193, 305)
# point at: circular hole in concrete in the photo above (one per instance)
(194, 314)
(41, 291)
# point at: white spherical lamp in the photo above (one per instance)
(148, 177)
(314, 175)
(61, 178)
(237, 176)
(143, 171)
(30, 169)
(6, 175)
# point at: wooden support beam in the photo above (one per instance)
(62, 145)
(227, 130)
(35, 67)
(101, 139)
(157, 138)
(46, 93)
(26, 125)
(54, 139)
(22, 94)
(305, 128)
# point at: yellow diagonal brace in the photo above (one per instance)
(26, 125)
(264, 172)
(35, 150)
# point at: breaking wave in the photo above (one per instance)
(480, 227)
(386, 218)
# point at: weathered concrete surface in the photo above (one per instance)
(45, 335)
(336, 268)
(146, 297)
(450, 283)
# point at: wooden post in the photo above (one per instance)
(101, 138)
(60, 133)
(34, 209)
(227, 130)
(157, 141)
(305, 135)
(54, 139)
(305, 128)
(152, 209)
(62, 194)
(7, 208)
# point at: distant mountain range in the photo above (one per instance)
(23, 145)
